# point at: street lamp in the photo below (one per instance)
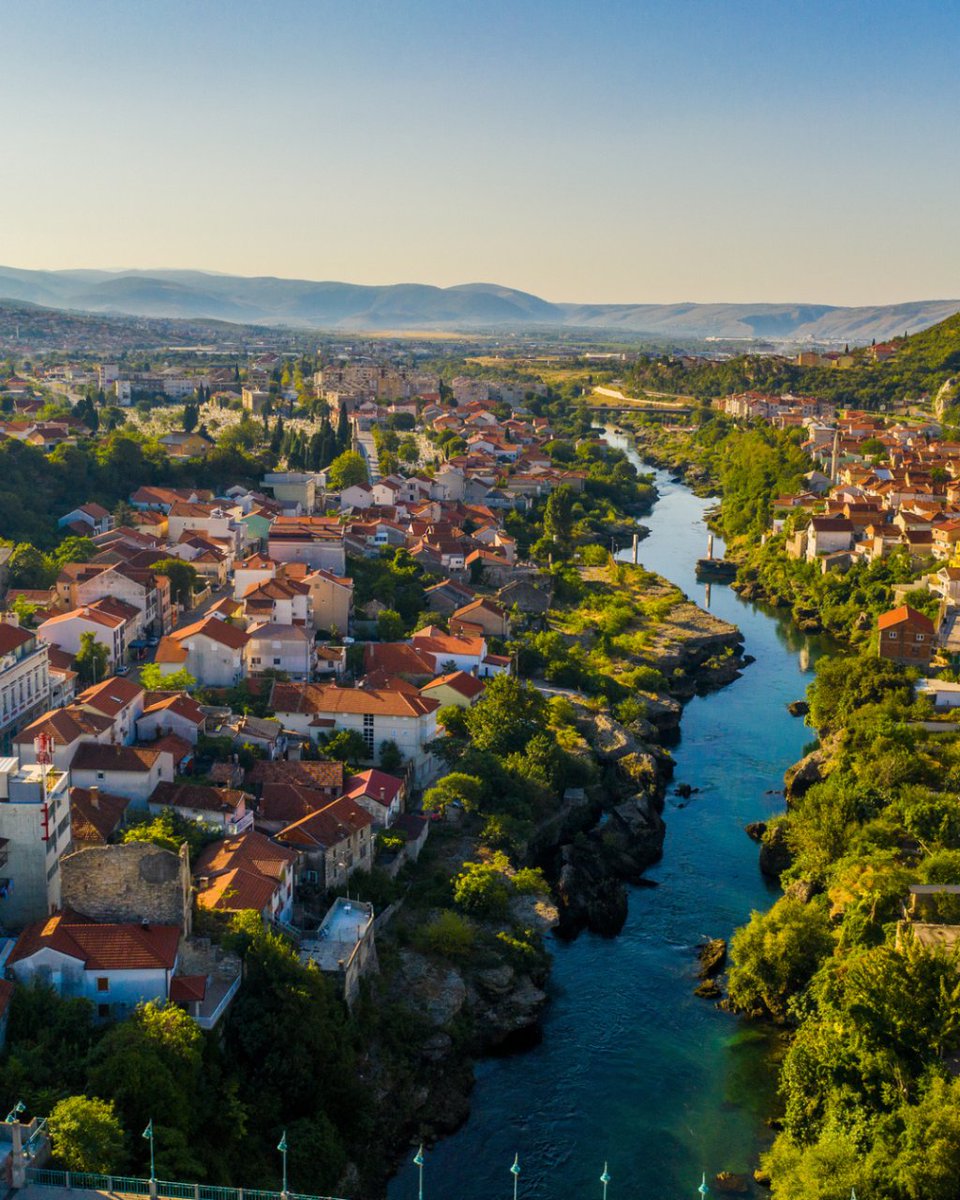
(703, 1189)
(515, 1172)
(418, 1160)
(605, 1179)
(148, 1134)
(13, 1116)
(282, 1147)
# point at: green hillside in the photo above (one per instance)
(922, 364)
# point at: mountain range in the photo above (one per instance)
(469, 306)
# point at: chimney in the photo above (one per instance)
(94, 797)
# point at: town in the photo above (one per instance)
(239, 670)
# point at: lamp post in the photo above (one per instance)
(418, 1160)
(605, 1179)
(703, 1189)
(282, 1147)
(13, 1116)
(515, 1172)
(148, 1134)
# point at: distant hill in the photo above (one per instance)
(331, 305)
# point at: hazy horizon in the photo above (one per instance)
(629, 152)
(375, 283)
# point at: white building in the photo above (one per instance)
(212, 650)
(287, 648)
(34, 833)
(24, 679)
(115, 967)
(377, 715)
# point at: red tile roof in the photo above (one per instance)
(897, 616)
(328, 826)
(101, 947)
(95, 815)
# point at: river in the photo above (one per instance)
(634, 1069)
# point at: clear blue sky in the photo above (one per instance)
(592, 150)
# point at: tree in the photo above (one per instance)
(191, 415)
(465, 791)
(153, 678)
(775, 955)
(92, 659)
(74, 549)
(483, 888)
(391, 758)
(86, 1135)
(389, 625)
(558, 518)
(182, 577)
(347, 745)
(30, 567)
(347, 469)
(506, 716)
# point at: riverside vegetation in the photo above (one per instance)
(548, 806)
(868, 1087)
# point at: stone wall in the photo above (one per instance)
(133, 882)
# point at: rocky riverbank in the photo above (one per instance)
(598, 841)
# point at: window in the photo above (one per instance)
(368, 731)
(103, 983)
(892, 635)
(276, 662)
(919, 637)
(103, 1011)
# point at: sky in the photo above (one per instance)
(636, 151)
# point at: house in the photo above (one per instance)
(293, 488)
(462, 653)
(448, 595)
(186, 445)
(332, 842)
(95, 816)
(827, 535)
(87, 520)
(115, 967)
(109, 628)
(263, 732)
(176, 713)
(282, 601)
(343, 947)
(246, 871)
(65, 730)
(24, 679)
(482, 617)
(331, 599)
(457, 688)
(316, 541)
(211, 650)
(528, 597)
(222, 809)
(382, 795)
(313, 709)
(906, 636)
(398, 659)
(34, 832)
(131, 771)
(273, 647)
(119, 699)
(331, 660)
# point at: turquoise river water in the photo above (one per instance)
(633, 1069)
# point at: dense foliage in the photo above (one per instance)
(922, 364)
